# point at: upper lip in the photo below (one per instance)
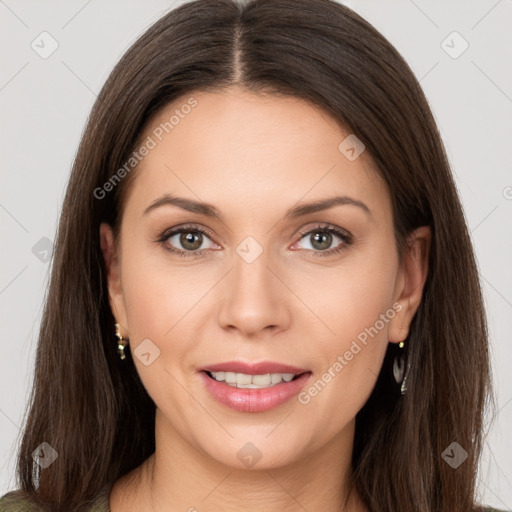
(260, 368)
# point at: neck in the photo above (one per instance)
(180, 476)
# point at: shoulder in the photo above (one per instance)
(14, 501)
(17, 501)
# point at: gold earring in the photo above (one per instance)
(121, 343)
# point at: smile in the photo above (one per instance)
(244, 380)
(253, 393)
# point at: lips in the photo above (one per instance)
(260, 368)
(254, 400)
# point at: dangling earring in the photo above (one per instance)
(121, 343)
(399, 371)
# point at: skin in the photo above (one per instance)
(253, 157)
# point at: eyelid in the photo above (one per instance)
(346, 238)
(168, 233)
(321, 226)
(341, 233)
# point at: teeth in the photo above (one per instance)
(242, 380)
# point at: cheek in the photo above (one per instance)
(148, 301)
(337, 394)
(351, 296)
(163, 297)
(355, 301)
(157, 299)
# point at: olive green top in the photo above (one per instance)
(12, 502)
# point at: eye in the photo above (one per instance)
(186, 241)
(321, 238)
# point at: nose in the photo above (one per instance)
(253, 298)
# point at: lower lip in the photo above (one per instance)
(254, 400)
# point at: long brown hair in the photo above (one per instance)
(92, 408)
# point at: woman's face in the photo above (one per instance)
(260, 284)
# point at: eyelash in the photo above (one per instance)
(323, 228)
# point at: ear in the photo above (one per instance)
(410, 283)
(112, 265)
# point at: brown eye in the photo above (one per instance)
(186, 241)
(321, 239)
(191, 241)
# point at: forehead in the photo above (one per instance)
(249, 151)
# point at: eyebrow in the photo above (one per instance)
(298, 211)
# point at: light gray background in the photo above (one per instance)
(45, 102)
